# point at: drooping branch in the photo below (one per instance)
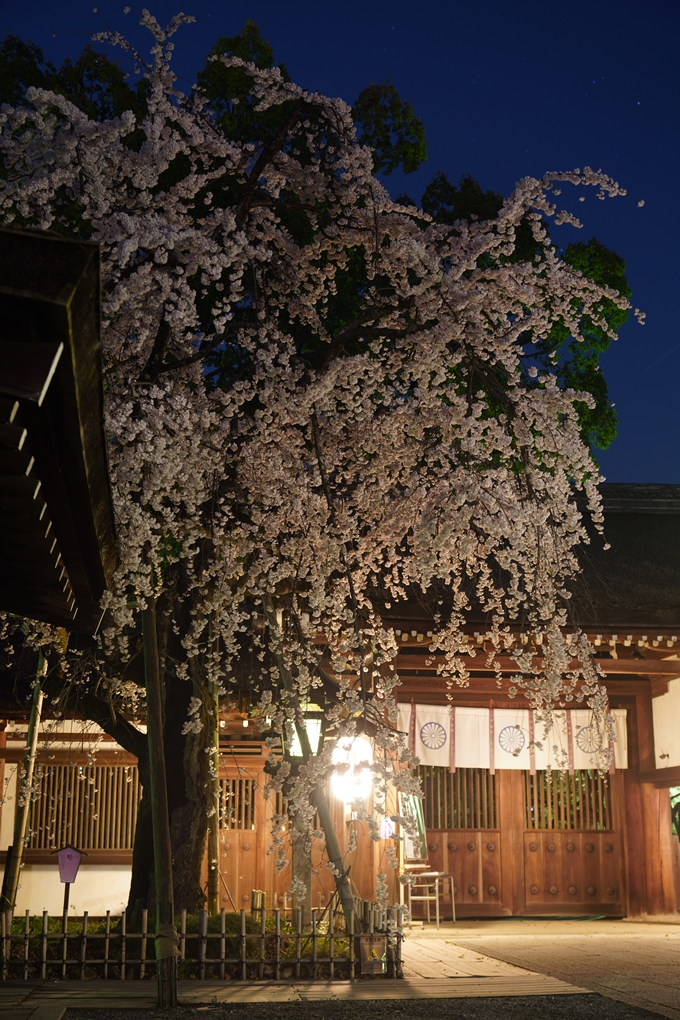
(318, 794)
(354, 602)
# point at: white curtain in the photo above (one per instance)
(464, 738)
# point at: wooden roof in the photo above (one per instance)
(57, 534)
(636, 583)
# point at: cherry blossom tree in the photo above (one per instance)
(318, 402)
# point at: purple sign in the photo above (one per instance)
(69, 862)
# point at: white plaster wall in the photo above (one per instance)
(97, 888)
(666, 715)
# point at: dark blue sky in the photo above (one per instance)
(505, 90)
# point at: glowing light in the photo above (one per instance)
(353, 782)
(313, 727)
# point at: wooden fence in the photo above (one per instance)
(264, 946)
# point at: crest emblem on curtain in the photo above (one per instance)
(433, 735)
(512, 739)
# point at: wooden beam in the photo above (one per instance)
(97, 857)
(69, 756)
(638, 667)
(661, 777)
(52, 414)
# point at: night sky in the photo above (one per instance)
(505, 90)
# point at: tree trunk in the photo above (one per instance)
(301, 846)
(166, 936)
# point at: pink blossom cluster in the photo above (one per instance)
(418, 452)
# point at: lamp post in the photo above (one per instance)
(301, 848)
(69, 859)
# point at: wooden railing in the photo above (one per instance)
(227, 947)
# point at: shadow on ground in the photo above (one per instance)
(535, 1007)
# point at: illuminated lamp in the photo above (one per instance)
(352, 782)
(313, 716)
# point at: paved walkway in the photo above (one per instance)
(472, 979)
(634, 962)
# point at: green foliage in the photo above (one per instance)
(445, 202)
(22, 65)
(675, 809)
(95, 84)
(577, 360)
(578, 365)
(389, 125)
(228, 88)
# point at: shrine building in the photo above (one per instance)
(525, 827)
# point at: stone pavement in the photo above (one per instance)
(471, 978)
(635, 962)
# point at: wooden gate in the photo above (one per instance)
(521, 844)
(464, 838)
(242, 837)
(573, 861)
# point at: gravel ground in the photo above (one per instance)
(534, 1007)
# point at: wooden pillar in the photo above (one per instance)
(511, 824)
(650, 850)
(15, 853)
(660, 869)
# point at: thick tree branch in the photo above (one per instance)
(150, 370)
(98, 711)
(266, 156)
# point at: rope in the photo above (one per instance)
(167, 941)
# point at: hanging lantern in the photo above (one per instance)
(313, 716)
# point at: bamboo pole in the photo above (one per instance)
(166, 935)
(15, 853)
(214, 796)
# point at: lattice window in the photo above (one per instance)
(93, 807)
(237, 803)
(464, 799)
(563, 801)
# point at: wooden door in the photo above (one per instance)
(474, 860)
(573, 873)
(242, 836)
(573, 846)
(462, 818)
(535, 845)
